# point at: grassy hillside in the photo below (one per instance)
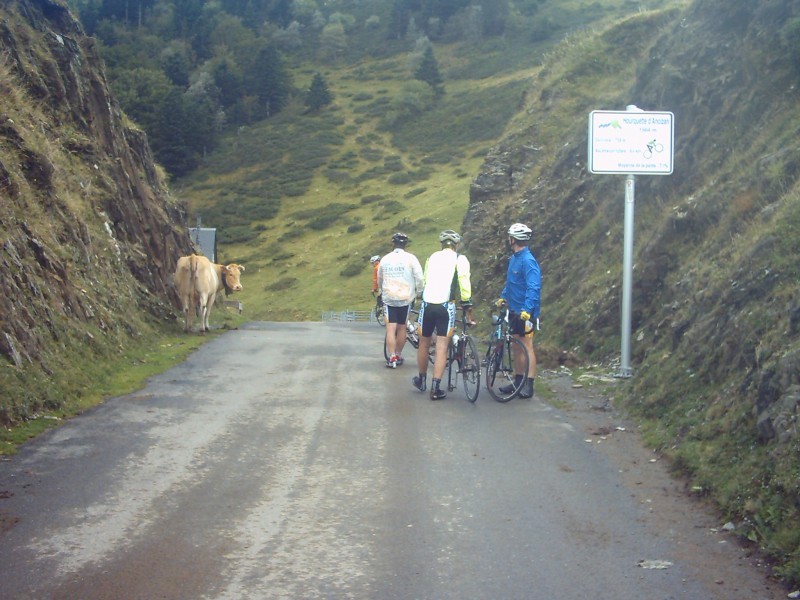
(303, 200)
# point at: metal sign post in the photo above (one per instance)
(627, 279)
(629, 143)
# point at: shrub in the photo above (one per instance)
(236, 234)
(281, 284)
(352, 269)
(281, 256)
(409, 177)
(337, 175)
(392, 207)
(371, 154)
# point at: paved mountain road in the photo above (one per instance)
(282, 460)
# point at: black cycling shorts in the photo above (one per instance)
(396, 314)
(517, 325)
(437, 317)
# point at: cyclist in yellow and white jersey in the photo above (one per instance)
(447, 276)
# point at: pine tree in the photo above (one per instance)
(428, 71)
(318, 94)
(269, 78)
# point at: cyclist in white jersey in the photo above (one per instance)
(399, 282)
(447, 275)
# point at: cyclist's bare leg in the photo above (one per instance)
(442, 341)
(400, 338)
(422, 354)
(527, 389)
(528, 341)
(391, 338)
(519, 361)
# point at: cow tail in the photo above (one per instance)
(193, 267)
(193, 279)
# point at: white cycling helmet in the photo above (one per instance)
(449, 236)
(520, 231)
(374, 259)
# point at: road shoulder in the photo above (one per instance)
(697, 530)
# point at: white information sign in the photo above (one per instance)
(631, 142)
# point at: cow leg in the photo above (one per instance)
(203, 306)
(209, 304)
(187, 317)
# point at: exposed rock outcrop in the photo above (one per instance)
(88, 232)
(701, 303)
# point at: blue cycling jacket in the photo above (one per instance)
(523, 283)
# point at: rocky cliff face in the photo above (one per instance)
(88, 233)
(712, 289)
(716, 341)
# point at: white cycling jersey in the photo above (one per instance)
(440, 269)
(399, 278)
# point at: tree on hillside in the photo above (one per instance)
(495, 15)
(318, 94)
(175, 62)
(281, 12)
(171, 138)
(187, 127)
(269, 80)
(332, 42)
(141, 92)
(428, 71)
(228, 78)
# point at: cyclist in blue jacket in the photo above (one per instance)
(522, 294)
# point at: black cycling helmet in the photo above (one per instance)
(400, 239)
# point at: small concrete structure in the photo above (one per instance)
(205, 238)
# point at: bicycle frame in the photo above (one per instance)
(498, 335)
(500, 358)
(461, 352)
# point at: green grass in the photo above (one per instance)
(327, 191)
(115, 376)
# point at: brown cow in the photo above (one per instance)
(198, 281)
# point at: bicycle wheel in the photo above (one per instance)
(471, 369)
(500, 369)
(380, 315)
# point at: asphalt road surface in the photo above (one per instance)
(283, 460)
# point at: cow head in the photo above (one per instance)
(230, 277)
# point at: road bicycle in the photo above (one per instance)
(380, 315)
(462, 353)
(412, 334)
(500, 356)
